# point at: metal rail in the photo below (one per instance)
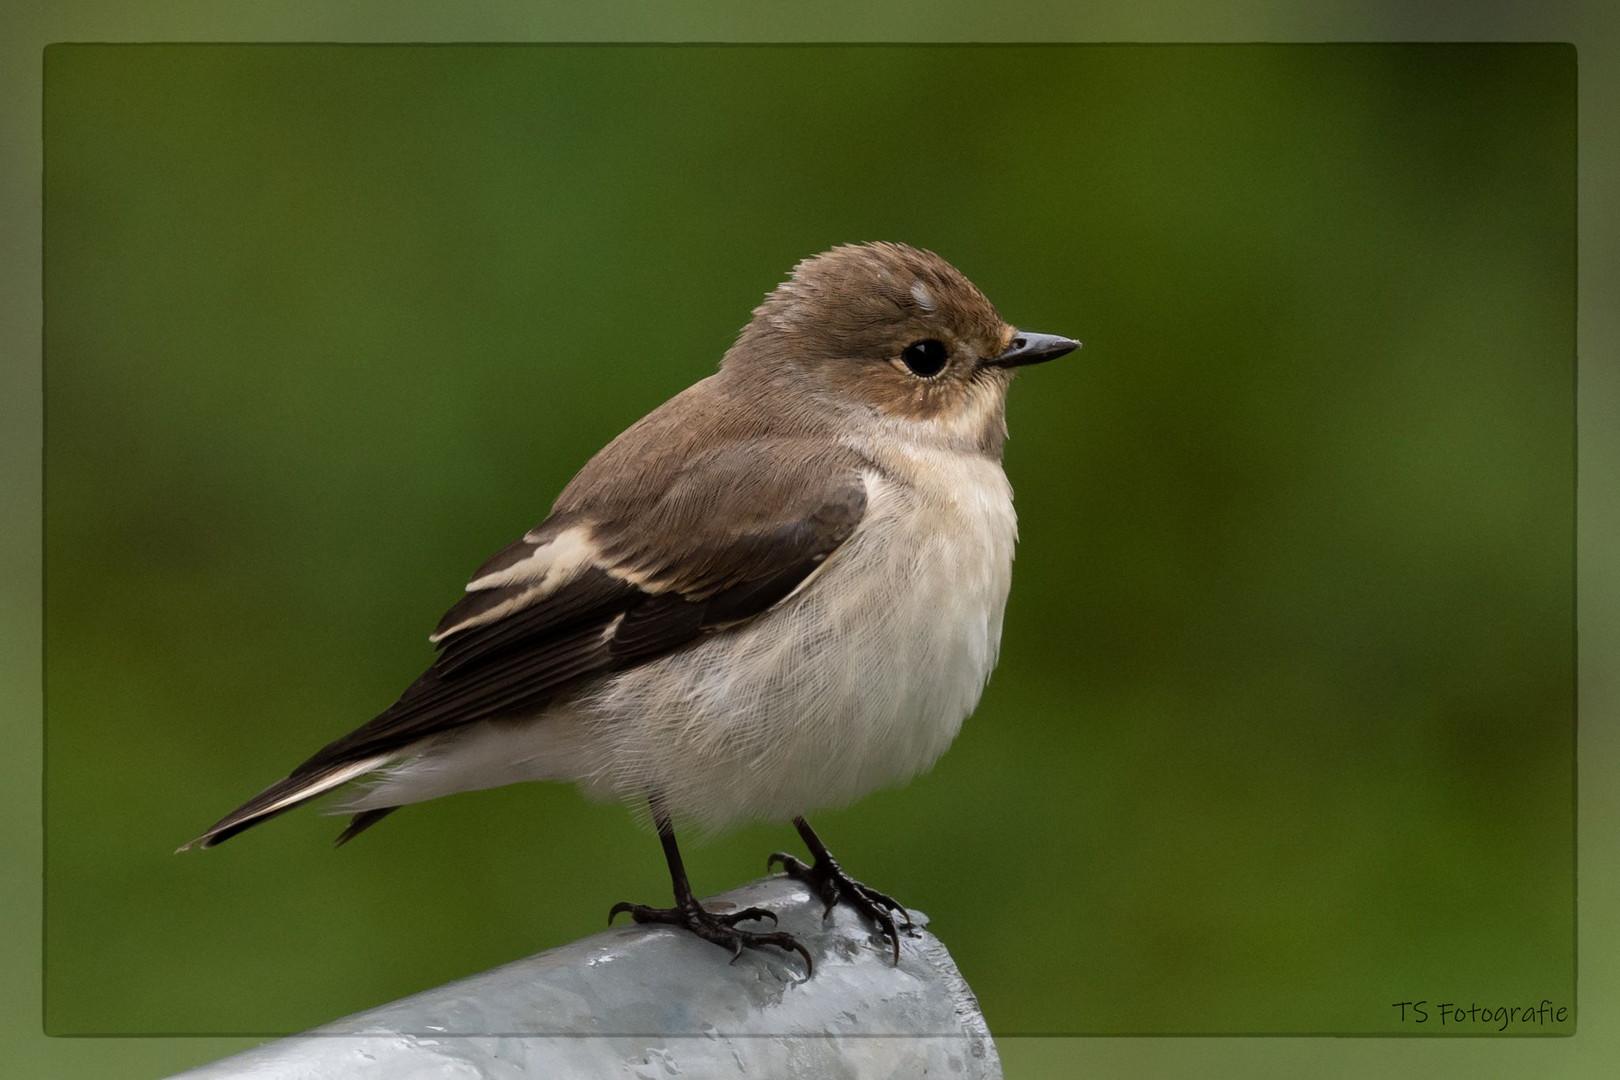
(642, 1001)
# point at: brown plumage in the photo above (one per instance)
(707, 512)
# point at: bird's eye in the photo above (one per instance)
(925, 358)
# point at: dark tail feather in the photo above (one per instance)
(362, 821)
(280, 797)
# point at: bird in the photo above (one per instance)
(776, 592)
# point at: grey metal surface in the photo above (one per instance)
(646, 1002)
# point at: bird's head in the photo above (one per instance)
(894, 331)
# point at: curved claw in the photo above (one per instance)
(884, 900)
(617, 909)
(809, 964)
(753, 913)
(876, 906)
(793, 944)
(790, 866)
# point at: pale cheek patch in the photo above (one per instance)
(968, 422)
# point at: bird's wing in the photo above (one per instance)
(619, 574)
(606, 583)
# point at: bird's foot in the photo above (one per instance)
(828, 880)
(718, 927)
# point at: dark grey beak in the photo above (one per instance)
(1029, 348)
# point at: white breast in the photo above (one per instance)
(860, 679)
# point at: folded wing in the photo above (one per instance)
(605, 583)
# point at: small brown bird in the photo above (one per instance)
(778, 591)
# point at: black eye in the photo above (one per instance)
(925, 358)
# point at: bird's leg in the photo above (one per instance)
(708, 925)
(830, 882)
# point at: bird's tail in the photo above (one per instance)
(282, 796)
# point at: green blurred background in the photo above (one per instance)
(1283, 729)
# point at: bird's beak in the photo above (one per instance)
(1028, 348)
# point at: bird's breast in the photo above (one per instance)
(942, 536)
(858, 680)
